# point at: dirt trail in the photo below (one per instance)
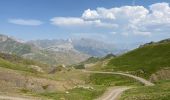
(115, 92)
(3, 97)
(142, 80)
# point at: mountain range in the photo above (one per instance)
(84, 45)
(56, 52)
(46, 55)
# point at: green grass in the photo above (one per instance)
(75, 94)
(147, 60)
(14, 66)
(111, 80)
(161, 91)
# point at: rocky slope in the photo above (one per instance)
(84, 45)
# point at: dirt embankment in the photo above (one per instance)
(163, 74)
(12, 81)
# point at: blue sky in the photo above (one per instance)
(108, 20)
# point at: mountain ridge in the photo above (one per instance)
(32, 51)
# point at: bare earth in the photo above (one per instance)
(3, 97)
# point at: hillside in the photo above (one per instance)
(93, 61)
(151, 61)
(10, 45)
(18, 63)
(19, 79)
(145, 60)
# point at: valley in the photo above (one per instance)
(112, 77)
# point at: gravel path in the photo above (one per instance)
(115, 92)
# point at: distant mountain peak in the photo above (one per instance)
(4, 38)
(70, 40)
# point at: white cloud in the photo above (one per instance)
(113, 33)
(134, 20)
(124, 12)
(67, 21)
(163, 7)
(28, 22)
(75, 21)
(160, 13)
(90, 14)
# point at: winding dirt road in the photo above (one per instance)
(115, 92)
(142, 80)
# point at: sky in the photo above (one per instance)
(115, 21)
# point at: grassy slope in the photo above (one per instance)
(18, 63)
(147, 59)
(17, 59)
(161, 91)
(21, 67)
(144, 61)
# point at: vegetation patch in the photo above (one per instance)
(75, 94)
(161, 91)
